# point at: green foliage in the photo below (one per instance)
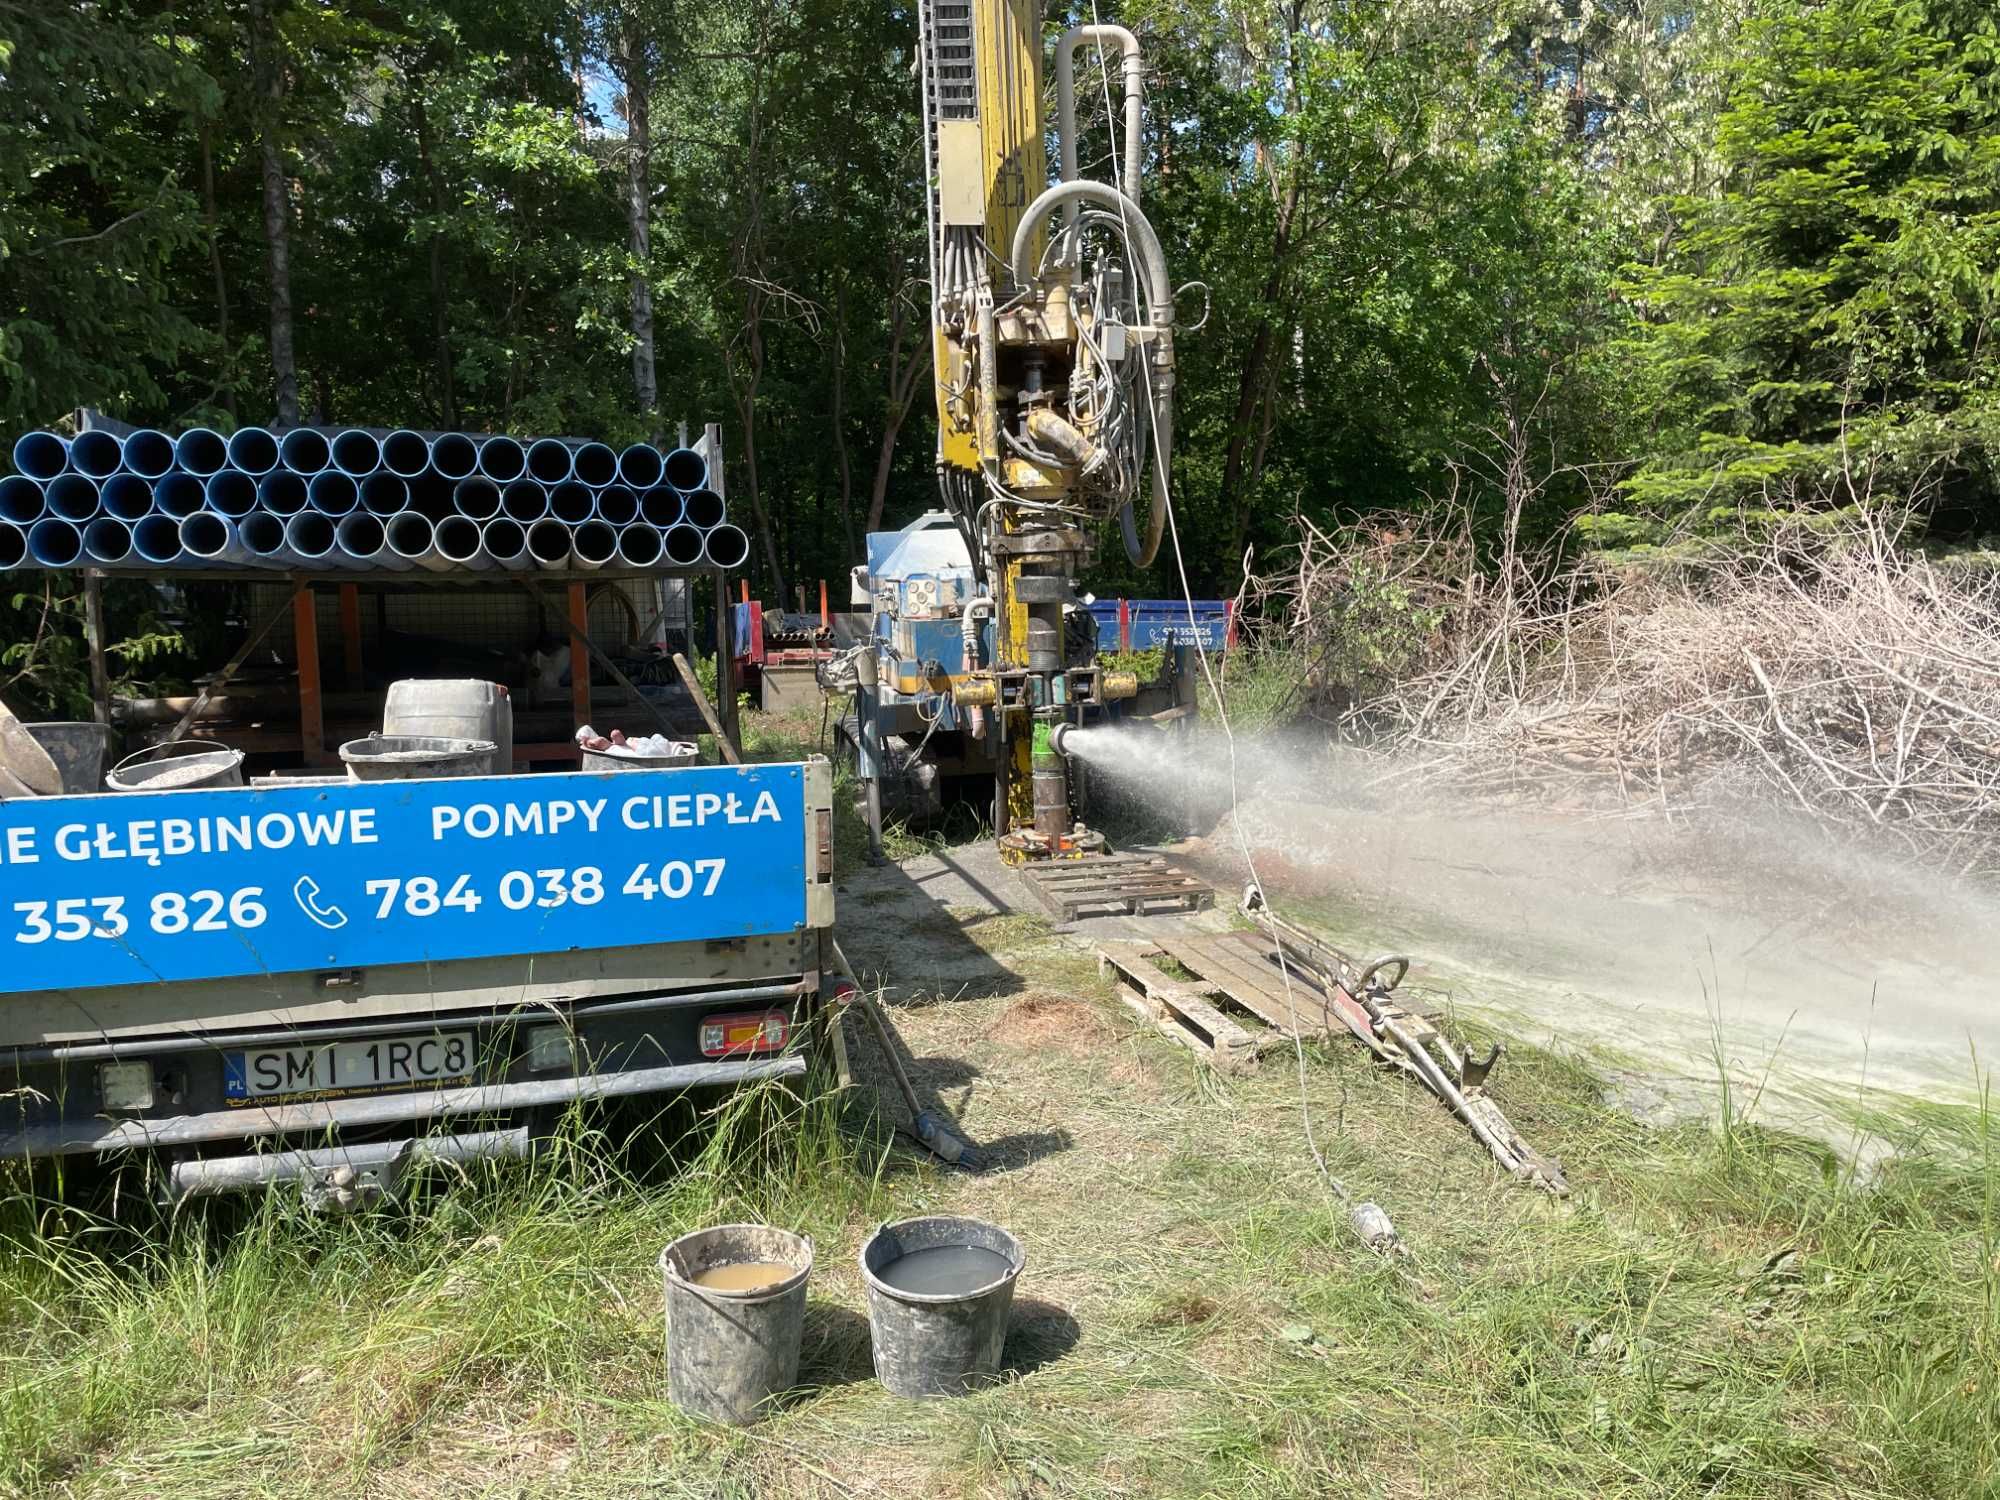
(1819, 333)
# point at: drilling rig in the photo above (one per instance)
(1052, 325)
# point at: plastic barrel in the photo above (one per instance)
(452, 709)
(941, 1344)
(729, 1353)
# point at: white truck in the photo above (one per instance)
(330, 983)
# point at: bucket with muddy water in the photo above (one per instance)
(177, 766)
(939, 1292)
(736, 1309)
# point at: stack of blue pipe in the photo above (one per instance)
(312, 499)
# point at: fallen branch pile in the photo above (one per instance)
(1850, 678)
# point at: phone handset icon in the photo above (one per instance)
(306, 892)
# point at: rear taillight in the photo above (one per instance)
(748, 1032)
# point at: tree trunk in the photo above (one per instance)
(638, 218)
(905, 371)
(837, 414)
(269, 76)
(440, 314)
(746, 410)
(1251, 381)
(209, 218)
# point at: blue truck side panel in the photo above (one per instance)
(1164, 622)
(129, 888)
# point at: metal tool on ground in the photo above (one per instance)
(933, 1133)
(1360, 997)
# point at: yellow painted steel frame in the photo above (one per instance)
(1013, 165)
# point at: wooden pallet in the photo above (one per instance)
(1234, 1008)
(1111, 885)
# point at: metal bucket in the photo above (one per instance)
(178, 766)
(942, 1344)
(79, 749)
(416, 757)
(729, 1353)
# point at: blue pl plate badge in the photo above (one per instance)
(144, 886)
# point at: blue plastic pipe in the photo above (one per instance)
(127, 497)
(477, 498)
(705, 509)
(502, 460)
(21, 501)
(157, 540)
(682, 545)
(525, 501)
(617, 505)
(548, 544)
(661, 507)
(639, 545)
(253, 450)
(593, 544)
(96, 453)
(201, 452)
(41, 455)
(332, 493)
(454, 455)
(13, 546)
(107, 541)
(686, 470)
(211, 538)
(641, 466)
(458, 542)
(148, 454)
(231, 493)
(282, 492)
(405, 454)
(726, 547)
(549, 461)
(71, 497)
(305, 451)
(384, 494)
(356, 453)
(179, 496)
(572, 503)
(506, 543)
(362, 543)
(54, 543)
(309, 537)
(594, 464)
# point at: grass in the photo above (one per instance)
(1718, 1311)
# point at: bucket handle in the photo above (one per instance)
(177, 746)
(715, 1299)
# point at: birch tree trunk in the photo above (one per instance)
(269, 75)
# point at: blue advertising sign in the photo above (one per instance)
(135, 887)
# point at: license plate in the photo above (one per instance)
(335, 1069)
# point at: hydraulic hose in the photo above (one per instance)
(1145, 247)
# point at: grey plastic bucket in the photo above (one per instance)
(604, 760)
(416, 757)
(79, 749)
(177, 767)
(938, 1345)
(729, 1353)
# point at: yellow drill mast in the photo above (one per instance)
(1054, 368)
